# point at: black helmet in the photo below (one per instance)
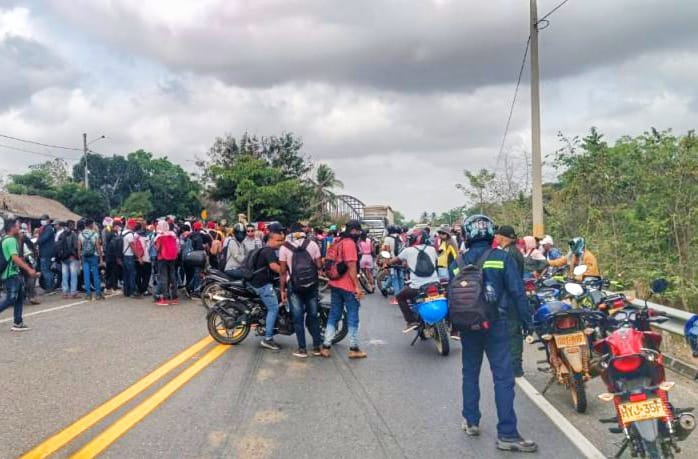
(239, 232)
(478, 228)
(394, 229)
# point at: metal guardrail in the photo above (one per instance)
(682, 363)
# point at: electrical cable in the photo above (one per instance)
(551, 12)
(513, 102)
(39, 143)
(48, 155)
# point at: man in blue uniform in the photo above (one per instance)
(502, 288)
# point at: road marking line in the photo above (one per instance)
(137, 414)
(62, 438)
(56, 308)
(575, 436)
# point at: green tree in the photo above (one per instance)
(138, 204)
(325, 181)
(479, 187)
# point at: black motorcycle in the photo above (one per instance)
(231, 317)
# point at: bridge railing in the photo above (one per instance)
(677, 352)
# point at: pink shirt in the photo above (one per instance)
(365, 247)
(285, 254)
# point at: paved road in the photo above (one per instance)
(243, 402)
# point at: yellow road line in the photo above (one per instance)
(65, 436)
(137, 414)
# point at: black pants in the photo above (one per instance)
(113, 274)
(403, 298)
(167, 280)
(143, 271)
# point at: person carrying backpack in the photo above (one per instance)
(485, 283)
(67, 254)
(300, 258)
(166, 247)
(90, 248)
(392, 243)
(421, 259)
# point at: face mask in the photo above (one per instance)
(240, 236)
(44, 222)
(354, 236)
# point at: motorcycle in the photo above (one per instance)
(382, 276)
(232, 316)
(431, 307)
(633, 371)
(564, 333)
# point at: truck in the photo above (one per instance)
(376, 220)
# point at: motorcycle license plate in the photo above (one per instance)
(573, 339)
(641, 411)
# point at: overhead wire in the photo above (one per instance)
(513, 102)
(551, 12)
(48, 155)
(61, 147)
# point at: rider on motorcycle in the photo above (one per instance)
(235, 251)
(409, 257)
(578, 255)
(393, 244)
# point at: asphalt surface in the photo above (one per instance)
(251, 403)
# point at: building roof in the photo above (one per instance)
(30, 206)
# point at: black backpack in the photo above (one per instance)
(424, 266)
(4, 262)
(397, 246)
(249, 266)
(116, 246)
(466, 304)
(304, 275)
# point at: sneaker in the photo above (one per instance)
(19, 327)
(270, 344)
(75, 296)
(392, 300)
(410, 326)
(519, 444)
(174, 301)
(300, 353)
(317, 352)
(34, 301)
(470, 429)
(65, 296)
(89, 297)
(325, 351)
(356, 353)
(100, 297)
(162, 302)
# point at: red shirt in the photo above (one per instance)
(348, 254)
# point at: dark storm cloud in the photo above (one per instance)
(389, 44)
(27, 66)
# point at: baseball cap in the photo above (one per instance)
(506, 231)
(547, 240)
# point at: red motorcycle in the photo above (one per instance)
(632, 367)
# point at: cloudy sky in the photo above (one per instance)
(399, 96)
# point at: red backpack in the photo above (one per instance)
(168, 247)
(334, 266)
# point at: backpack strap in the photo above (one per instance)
(483, 258)
(305, 244)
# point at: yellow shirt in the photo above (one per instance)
(447, 253)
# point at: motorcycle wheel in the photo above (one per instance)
(209, 292)
(365, 284)
(578, 393)
(382, 282)
(653, 450)
(342, 325)
(222, 334)
(441, 337)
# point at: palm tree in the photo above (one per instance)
(325, 181)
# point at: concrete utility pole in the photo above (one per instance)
(537, 172)
(84, 149)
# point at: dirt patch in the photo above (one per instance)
(216, 438)
(264, 374)
(269, 417)
(254, 447)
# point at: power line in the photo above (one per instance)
(39, 143)
(551, 12)
(48, 155)
(513, 102)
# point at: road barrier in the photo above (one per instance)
(677, 353)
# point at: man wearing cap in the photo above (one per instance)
(547, 246)
(505, 238)
(47, 250)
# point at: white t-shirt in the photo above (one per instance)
(410, 256)
(285, 254)
(127, 237)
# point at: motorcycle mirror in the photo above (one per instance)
(579, 270)
(385, 254)
(574, 289)
(659, 285)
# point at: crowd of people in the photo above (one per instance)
(145, 259)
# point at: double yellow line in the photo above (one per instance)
(136, 414)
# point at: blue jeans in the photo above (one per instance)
(90, 266)
(268, 296)
(69, 280)
(46, 273)
(340, 300)
(305, 306)
(14, 286)
(129, 275)
(397, 279)
(494, 342)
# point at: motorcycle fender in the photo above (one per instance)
(223, 307)
(573, 358)
(648, 430)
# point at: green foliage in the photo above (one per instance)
(138, 204)
(265, 177)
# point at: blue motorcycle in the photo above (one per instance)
(431, 306)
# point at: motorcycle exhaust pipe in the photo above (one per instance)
(685, 424)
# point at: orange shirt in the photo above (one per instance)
(347, 254)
